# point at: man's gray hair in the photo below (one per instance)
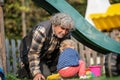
(62, 19)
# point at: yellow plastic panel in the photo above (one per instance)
(108, 20)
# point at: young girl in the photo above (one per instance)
(69, 63)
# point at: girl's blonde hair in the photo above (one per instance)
(68, 43)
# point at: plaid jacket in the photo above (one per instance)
(44, 46)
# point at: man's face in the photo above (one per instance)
(60, 32)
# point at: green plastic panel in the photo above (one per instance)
(85, 32)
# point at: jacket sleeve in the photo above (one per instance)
(35, 48)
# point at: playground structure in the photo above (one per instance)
(108, 20)
(94, 7)
(85, 32)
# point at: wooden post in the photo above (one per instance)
(23, 20)
(2, 39)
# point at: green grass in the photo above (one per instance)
(98, 78)
(103, 77)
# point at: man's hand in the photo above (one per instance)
(39, 77)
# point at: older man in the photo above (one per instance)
(42, 45)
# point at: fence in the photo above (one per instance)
(12, 48)
(12, 56)
(90, 56)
